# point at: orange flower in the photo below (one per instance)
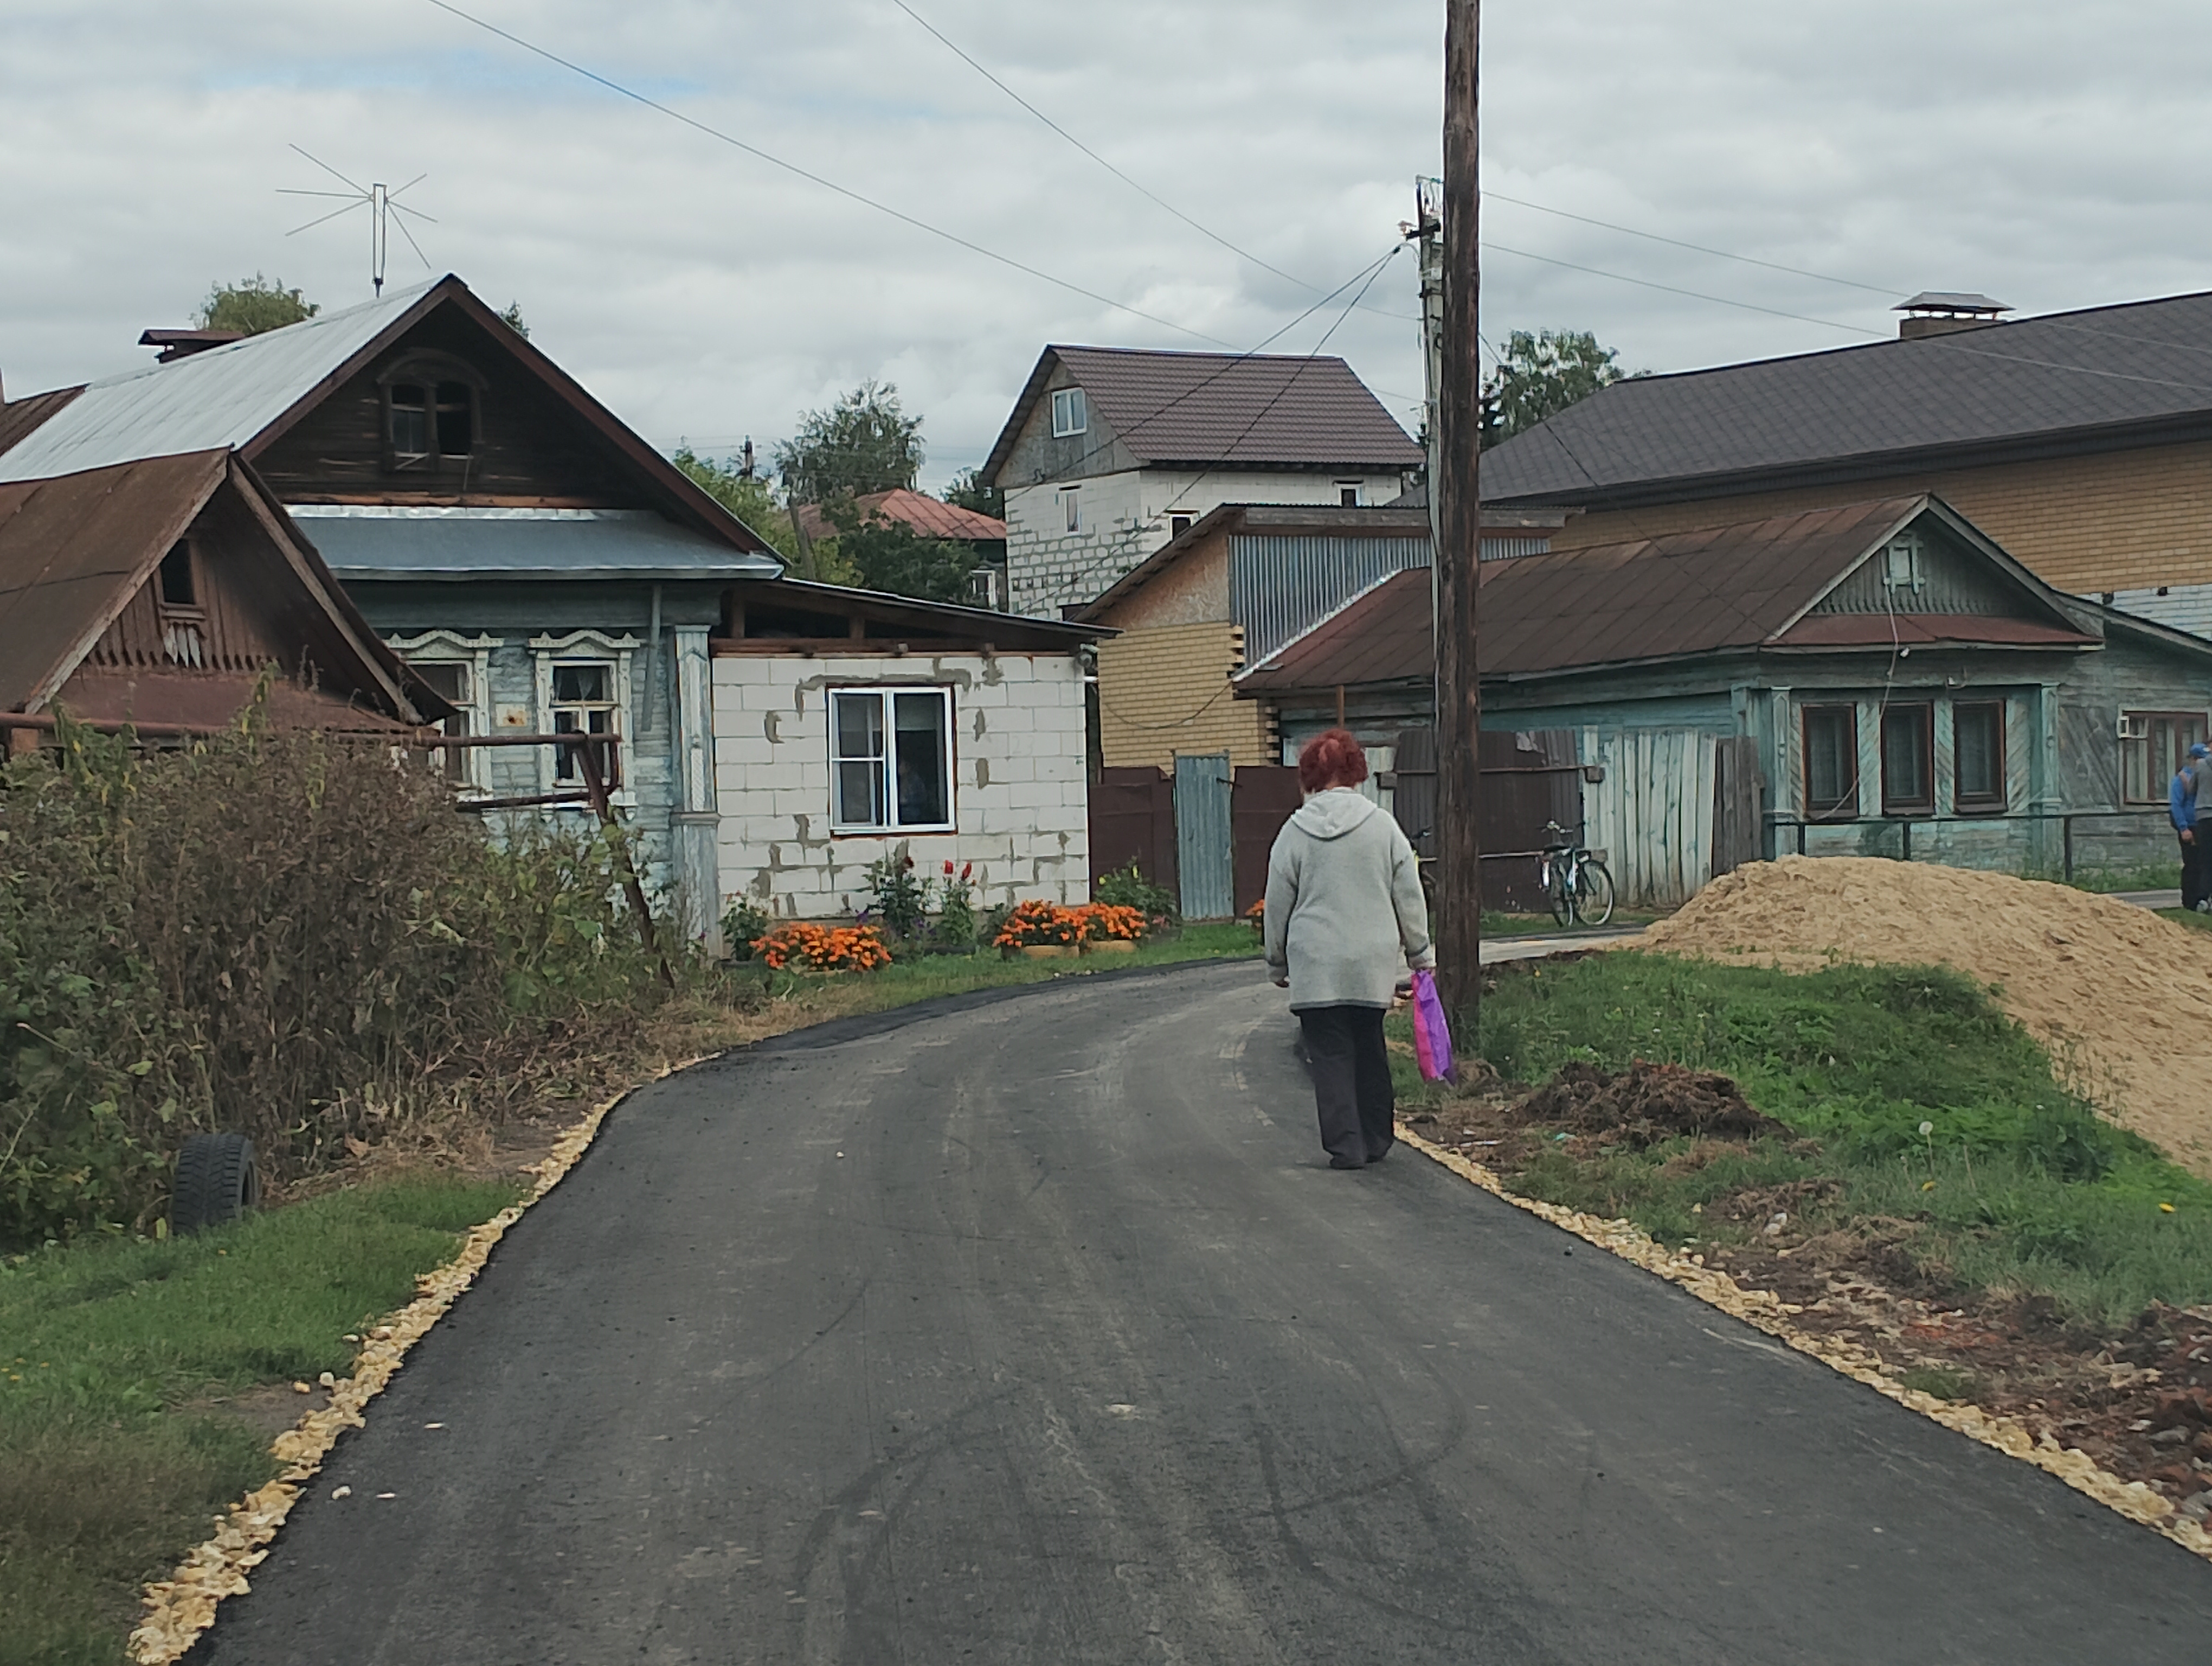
(813, 947)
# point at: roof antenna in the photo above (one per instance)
(383, 203)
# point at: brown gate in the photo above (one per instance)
(1133, 820)
(1264, 797)
(1529, 777)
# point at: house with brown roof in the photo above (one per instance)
(931, 518)
(2082, 441)
(1111, 452)
(1879, 679)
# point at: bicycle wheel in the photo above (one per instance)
(1559, 893)
(1596, 894)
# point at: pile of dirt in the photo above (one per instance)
(1646, 1103)
(2122, 997)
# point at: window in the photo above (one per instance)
(1178, 525)
(1977, 752)
(890, 759)
(177, 588)
(2153, 747)
(1901, 563)
(584, 703)
(1071, 502)
(1070, 412)
(1908, 760)
(1831, 762)
(453, 679)
(410, 419)
(430, 411)
(1347, 493)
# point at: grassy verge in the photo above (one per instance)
(141, 1382)
(2149, 876)
(1542, 925)
(2014, 1191)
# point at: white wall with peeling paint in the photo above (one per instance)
(1020, 791)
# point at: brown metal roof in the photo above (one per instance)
(1742, 587)
(929, 516)
(19, 416)
(1217, 407)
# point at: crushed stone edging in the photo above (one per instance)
(1767, 1312)
(179, 1608)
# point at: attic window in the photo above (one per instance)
(1070, 412)
(430, 412)
(177, 588)
(1901, 563)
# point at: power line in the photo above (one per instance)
(1722, 254)
(1645, 283)
(846, 191)
(1142, 190)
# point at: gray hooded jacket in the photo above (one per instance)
(1346, 918)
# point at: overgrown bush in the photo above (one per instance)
(1127, 888)
(284, 934)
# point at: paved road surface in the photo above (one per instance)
(1037, 1332)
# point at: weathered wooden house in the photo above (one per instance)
(1876, 678)
(543, 570)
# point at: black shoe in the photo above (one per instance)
(1348, 1162)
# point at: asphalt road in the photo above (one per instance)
(1037, 1331)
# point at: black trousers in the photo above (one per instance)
(1351, 1070)
(2193, 875)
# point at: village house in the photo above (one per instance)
(931, 518)
(2080, 442)
(1876, 678)
(542, 570)
(1111, 452)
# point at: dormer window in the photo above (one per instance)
(1070, 413)
(178, 592)
(431, 412)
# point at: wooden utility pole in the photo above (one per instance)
(1458, 519)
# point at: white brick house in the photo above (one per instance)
(845, 724)
(1109, 452)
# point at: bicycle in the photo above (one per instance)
(1574, 879)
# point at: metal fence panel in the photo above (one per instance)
(1205, 847)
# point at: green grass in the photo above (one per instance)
(112, 1462)
(2188, 917)
(1542, 925)
(2148, 876)
(2017, 1186)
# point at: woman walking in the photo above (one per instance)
(1346, 924)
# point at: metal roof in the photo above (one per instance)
(1745, 586)
(1221, 408)
(1950, 300)
(222, 398)
(929, 516)
(367, 543)
(2110, 376)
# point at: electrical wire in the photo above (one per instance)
(1676, 242)
(826, 183)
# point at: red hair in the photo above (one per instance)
(1332, 759)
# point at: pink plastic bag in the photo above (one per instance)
(1431, 1036)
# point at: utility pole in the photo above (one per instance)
(1456, 491)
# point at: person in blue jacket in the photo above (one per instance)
(2189, 805)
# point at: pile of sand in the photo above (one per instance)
(2122, 997)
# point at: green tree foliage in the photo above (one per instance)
(966, 491)
(864, 443)
(879, 554)
(1540, 375)
(254, 304)
(747, 496)
(512, 318)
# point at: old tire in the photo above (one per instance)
(217, 1182)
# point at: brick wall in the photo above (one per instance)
(2125, 520)
(1166, 690)
(1020, 797)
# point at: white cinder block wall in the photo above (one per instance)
(1020, 793)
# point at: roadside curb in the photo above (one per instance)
(1762, 1310)
(180, 1609)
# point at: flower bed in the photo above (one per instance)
(1106, 922)
(804, 947)
(1048, 925)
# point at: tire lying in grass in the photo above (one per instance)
(217, 1182)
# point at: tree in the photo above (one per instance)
(890, 555)
(512, 318)
(1540, 375)
(864, 443)
(966, 491)
(747, 496)
(254, 304)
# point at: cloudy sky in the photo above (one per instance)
(2052, 155)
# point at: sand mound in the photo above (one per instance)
(1646, 1103)
(2122, 998)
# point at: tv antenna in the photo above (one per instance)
(382, 202)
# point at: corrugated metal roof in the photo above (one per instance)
(18, 417)
(1860, 410)
(222, 398)
(1223, 408)
(929, 516)
(1720, 587)
(367, 543)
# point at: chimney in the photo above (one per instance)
(178, 344)
(1939, 312)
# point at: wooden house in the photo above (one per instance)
(1873, 679)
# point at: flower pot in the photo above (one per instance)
(1045, 951)
(1110, 946)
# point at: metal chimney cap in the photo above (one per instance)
(1956, 303)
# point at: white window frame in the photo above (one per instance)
(1070, 413)
(887, 693)
(451, 647)
(1070, 508)
(579, 647)
(1185, 516)
(1357, 487)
